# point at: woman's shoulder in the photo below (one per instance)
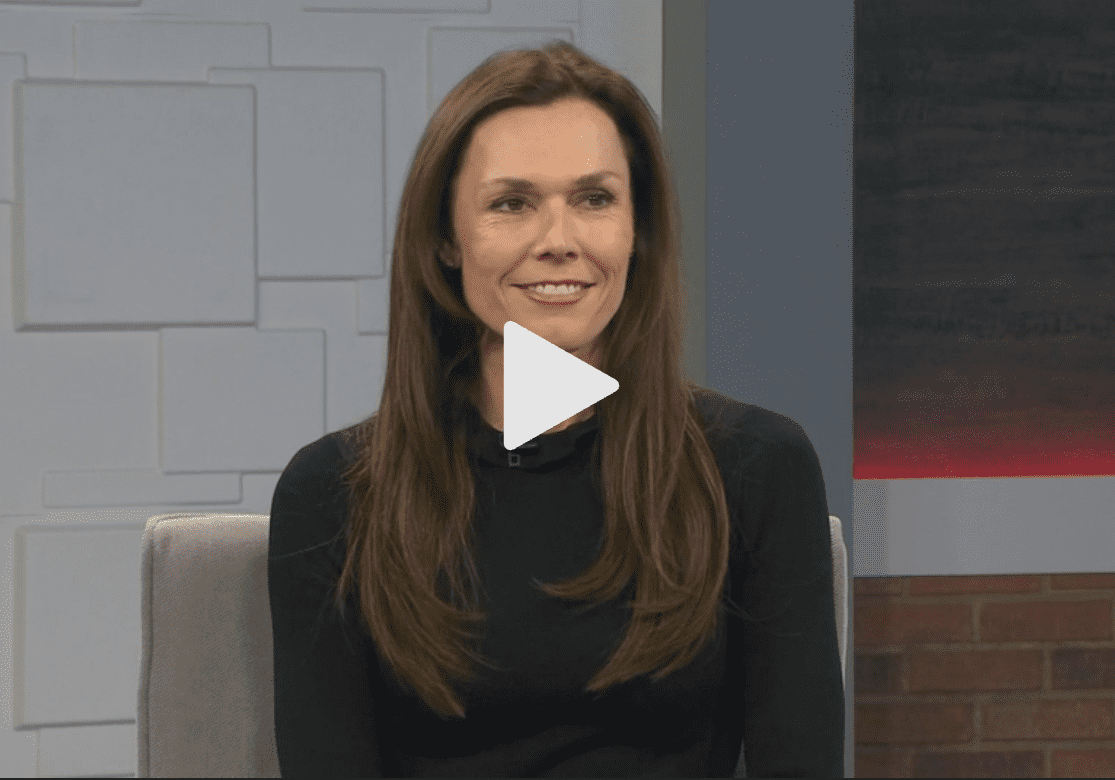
(310, 498)
(747, 426)
(324, 455)
(756, 447)
(774, 486)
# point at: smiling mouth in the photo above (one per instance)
(556, 297)
(576, 288)
(559, 288)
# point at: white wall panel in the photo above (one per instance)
(12, 68)
(137, 487)
(355, 350)
(933, 527)
(128, 49)
(413, 6)
(238, 398)
(77, 598)
(319, 170)
(135, 204)
(71, 402)
(85, 751)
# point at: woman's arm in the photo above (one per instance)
(793, 691)
(325, 723)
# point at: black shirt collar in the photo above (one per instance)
(486, 443)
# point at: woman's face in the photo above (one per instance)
(549, 226)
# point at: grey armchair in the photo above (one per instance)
(206, 685)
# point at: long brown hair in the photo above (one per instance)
(412, 489)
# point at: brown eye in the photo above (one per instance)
(496, 206)
(609, 198)
(607, 195)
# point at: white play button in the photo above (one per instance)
(544, 385)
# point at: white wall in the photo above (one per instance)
(928, 527)
(197, 200)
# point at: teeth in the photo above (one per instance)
(550, 289)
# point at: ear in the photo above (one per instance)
(448, 255)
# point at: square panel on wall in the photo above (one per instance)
(154, 185)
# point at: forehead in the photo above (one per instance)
(588, 180)
(532, 145)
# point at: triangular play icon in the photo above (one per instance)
(544, 385)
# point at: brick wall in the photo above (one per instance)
(995, 676)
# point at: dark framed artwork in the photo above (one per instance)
(984, 239)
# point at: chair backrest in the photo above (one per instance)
(840, 591)
(206, 679)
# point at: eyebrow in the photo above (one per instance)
(587, 179)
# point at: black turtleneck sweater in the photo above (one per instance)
(769, 692)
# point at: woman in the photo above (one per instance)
(649, 583)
